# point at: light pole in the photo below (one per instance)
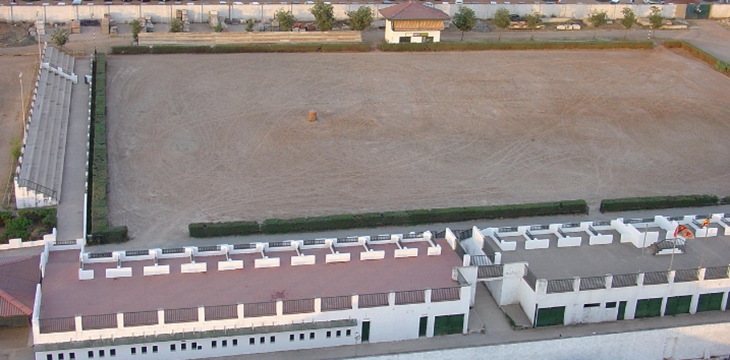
(40, 54)
(22, 100)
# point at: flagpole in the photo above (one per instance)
(643, 245)
(671, 262)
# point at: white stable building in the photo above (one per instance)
(412, 22)
(201, 302)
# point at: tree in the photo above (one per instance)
(286, 19)
(656, 19)
(597, 19)
(464, 20)
(501, 20)
(136, 29)
(218, 27)
(360, 19)
(176, 26)
(249, 25)
(324, 15)
(60, 37)
(533, 22)
(629, 19)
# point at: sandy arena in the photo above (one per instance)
(208, 138)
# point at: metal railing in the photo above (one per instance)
(141, 318)
(279, 244)
(221, 312)
(559, 286)
(57, 325)
(686, 275)
(446, 294)
(624, 280)
(259, 309)
(347, 240)
(173, 251)
(592, 283)
(244, 246)
(209, 248)
(716, 272)
(53, 194)
(136, 252)
(336, 303)
(413, 235)
(656, 277)
(298, 306)
(314, 242)
(530, 278)
(174, 316)
(373, 300)
(490, 271)
(100, 255)
(104, 321)
(64, 242)
(410, 297)
(379, 238)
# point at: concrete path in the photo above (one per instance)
(71, 206)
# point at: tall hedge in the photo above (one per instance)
(532, 45)
(205, 230)
(700, 54)
(657, 202)
(99, 229)
(240, 48)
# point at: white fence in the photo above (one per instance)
(199, 13)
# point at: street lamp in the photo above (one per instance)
(22, 99)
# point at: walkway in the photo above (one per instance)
(71, 206)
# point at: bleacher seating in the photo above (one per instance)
(42, 167)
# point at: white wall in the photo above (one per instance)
(201, 13)
(719, 11)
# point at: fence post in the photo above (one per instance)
(640, 279)
(427, 296)
(120, 320)
(317, 305)
(609, 281)
(201, 314)
(279, 307)
(161, 316)
(670, 276)
(355, 301)
(391, 298)
(239, 310)
(701, 274)
(576, 283)
(79, 324)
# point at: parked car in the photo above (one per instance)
(514, 17)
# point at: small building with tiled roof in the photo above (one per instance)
(412, 22)
(18, 279)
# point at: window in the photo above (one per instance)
(101, 353)
(252, 341)
(404, 40)
(90, 354)
(291, 337)
(214, 344)
(133, 351)
(339, 333)
(113, 352)
(329, 334)
(224, 343)
(235, 342)
(272, 339)
(72, 356)
(348, 332)
(194, 346)
(611, 305)
(172, 347)
(60, 356)
(311, 336)
(591, 305)
(183, 346)
(262, 340)
(49, 357)
(144, 349)
(154, 348)
(301, 337)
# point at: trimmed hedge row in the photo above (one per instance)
(657, 202)
(26, 222)
(391, 218)
(101, 232)
(700, 54)
(240, 48)
(448, 46)
(725, 200)
(203, 230)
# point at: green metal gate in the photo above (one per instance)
(678, 305)
(423, 326)
(550, 316)
(648, 308)
(449, 324)
(694, 11)
(709, 302)
(365, 331)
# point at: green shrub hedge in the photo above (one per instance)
(27, 224)
(657, 202)
(240, 48)
(700, 54)
(448, 46)
(725, 200)
(98, 212)
(205, 230)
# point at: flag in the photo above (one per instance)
(706, 222)
(683, 231)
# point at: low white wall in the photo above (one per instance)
(230, 265)
(537, 244)
(156, 270)
(86, 274)
(266, 262)
(403, 253)
(569, 241)
(112, 273)
(190, 268)
(600, 239)
(720, 11)
(434, 250)
(372, 255)
(344, 257)
(303, 260)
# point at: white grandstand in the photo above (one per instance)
(39, 173)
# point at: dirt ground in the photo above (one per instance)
(207, 138)
(10, 116)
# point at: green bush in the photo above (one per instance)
(448, 46)
(98, 212)
(657, 202)
(205, 230)
(417, 217)
(725, 200)
(130, 50)
(180, 49)
(699, 54)
(19, 227)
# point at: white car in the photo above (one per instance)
(308, 2)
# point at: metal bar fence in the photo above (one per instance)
(100, 255)
(592, 283)
(336, 303)
(209, 248)
(173, 251)
(57, 325)
(410, 297)
(244, 246)
(446, 294)
(103, 321)
(174, 316)
(259, 309)
(314, 242)
(716, 272)
(489, 271)
(136, 252)
(624, 280)
(221, 312)
(559, 286)
(373, 300)
(300, 306)
(140, 318)
(530, 278)
(686, 275)
(656, 277)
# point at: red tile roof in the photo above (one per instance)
(413, 11)
(18, 279)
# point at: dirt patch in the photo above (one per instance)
(11, 128)
(15, 34)
(203, 138)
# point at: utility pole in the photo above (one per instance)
(22, 100)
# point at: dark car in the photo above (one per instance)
(514, 17)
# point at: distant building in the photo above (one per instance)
(18, 278)
(413, 23)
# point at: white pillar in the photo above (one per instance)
(427, 296)
(355, 301)
(391, 298)
(120, 320)
(609, 281)
(279, 307)
(239, 310)
(79, 324)
(161, 316)
(317, 305)
(664, 306)
(201, 313)
(723, 306)
(693, 304)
